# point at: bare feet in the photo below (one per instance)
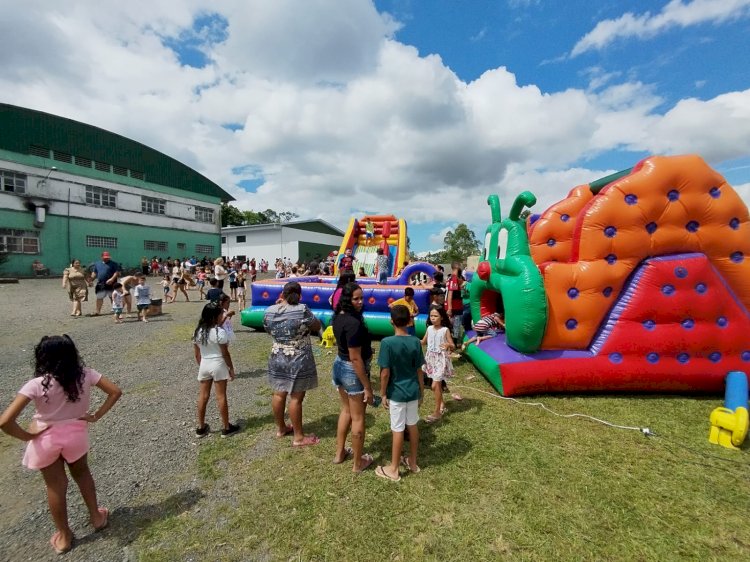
(338, 459)
(288, 430)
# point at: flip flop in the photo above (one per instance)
(347, 453)
(380, 472)
(457, 397)
(287, 431)
(105, 512)
(405, 462)
(432, 419)
(57, 549)
(307, 441)
(365, 462)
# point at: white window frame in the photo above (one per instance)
(13, 180)
(93, 241)
(15, 241)
(101, 197)
(155, 246)
(204, 214)
(153, 205)
(205, 249)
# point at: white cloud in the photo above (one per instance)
(376, 128)
(675, 14)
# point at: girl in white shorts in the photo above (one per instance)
(58, 434)
(211, 348)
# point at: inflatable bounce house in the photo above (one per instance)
(389, 234)
(637, 282)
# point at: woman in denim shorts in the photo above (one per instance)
(351, 375)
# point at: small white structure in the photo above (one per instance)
(300, 241)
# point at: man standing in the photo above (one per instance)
(105, 272)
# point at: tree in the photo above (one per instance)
(460, 244)
(231, 215)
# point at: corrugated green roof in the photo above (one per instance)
(27, 131)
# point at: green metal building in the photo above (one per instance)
(69, 190)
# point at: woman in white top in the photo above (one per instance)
(219, 272)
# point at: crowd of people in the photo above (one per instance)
(60, 390)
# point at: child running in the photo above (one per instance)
(402, 388)
(58, 434)
(118, 301)
(142, 293)
(438, 364)
(211, 348)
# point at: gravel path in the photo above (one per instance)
(143, 452)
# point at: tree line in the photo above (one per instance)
(232, 216)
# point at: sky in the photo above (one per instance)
(417, 108)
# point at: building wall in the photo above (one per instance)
(270, 243)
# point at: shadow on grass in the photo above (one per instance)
(127, 523)
(252, 374)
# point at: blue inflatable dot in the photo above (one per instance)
(551, 242)
(652, 357)
(745, 356)
(571, 323)
(692, 226)
(701, 288)
(688, 323)
(651, 227)
(714, 357)
(722, 322)
(683, 358)
(610, 232)
(631, 199)
(565, 217)
(611, 259)
(673, 195)
(572, 292)
(615, 357)
(668, 290)
(680, 272)
(734, 224)
(607, 291)
(737, 257)
(715, 192)
(649, 324)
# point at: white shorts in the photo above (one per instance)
(403, 414)
(213, 368)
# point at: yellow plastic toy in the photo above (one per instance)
(328, 340)
(729, 424)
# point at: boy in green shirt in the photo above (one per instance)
(402, 387)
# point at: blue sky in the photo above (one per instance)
(418, 108)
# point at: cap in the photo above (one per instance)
(105, 254)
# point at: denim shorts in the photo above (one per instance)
(345, 377)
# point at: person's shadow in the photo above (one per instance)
(127, 523)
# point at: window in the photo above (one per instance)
(101, 242)
(19, 241)
(223, 239)
(155, 246)
(101, 197)
(205, 249)
(240, 239)
(181, 246)
(204, 214)
(11, 181)
(153, 206)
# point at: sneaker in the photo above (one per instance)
(202, 431)
(231, 430)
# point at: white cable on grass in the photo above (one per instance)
(644, 430)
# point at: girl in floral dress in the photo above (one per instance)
(438, 364)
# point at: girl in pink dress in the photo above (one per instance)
(58, 434)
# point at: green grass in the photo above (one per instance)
(500, 480)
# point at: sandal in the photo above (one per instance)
(405, 462)
(287, 430)
(432, 419)
(104, 512)
(365, 461)
(381, 473)
(347, 453)
(307, 441)
(457, 397)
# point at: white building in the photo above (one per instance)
(300, 241)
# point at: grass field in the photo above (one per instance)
(499, 480)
